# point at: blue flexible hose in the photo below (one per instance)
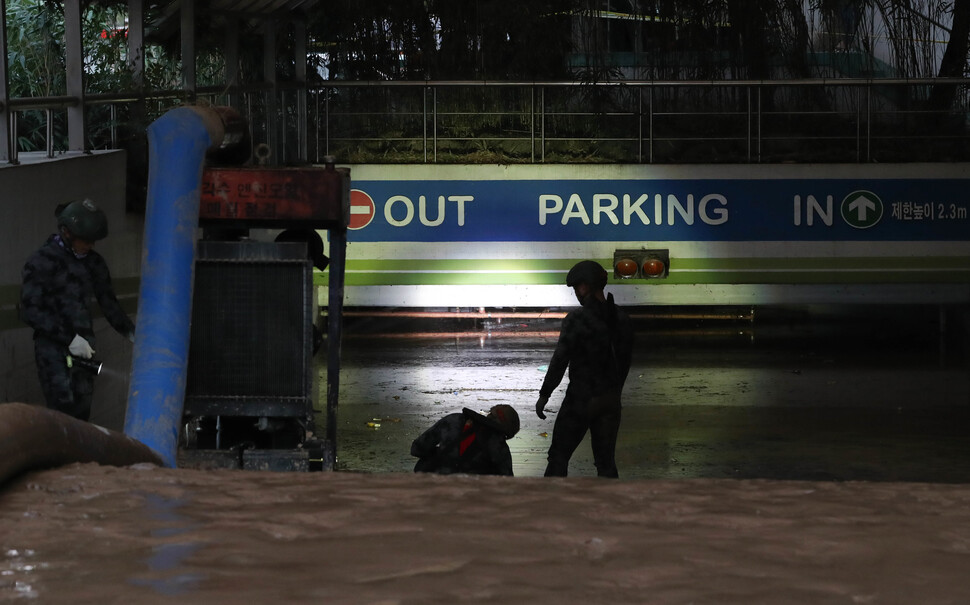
(177, 146)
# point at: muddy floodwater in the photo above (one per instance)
(761, 464)
(90, 534)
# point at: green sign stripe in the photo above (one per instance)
(748, 270)
(687, 277)
(816, 277)
(558, 266)
(437, 264)
(411, 279)
(823, 263)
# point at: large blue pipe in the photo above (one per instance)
(177, 145)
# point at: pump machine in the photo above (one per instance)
(249, 399)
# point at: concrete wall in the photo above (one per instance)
(29, 192)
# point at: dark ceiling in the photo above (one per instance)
(165, 22)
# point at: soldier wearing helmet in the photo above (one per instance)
(468, 442)
(595, 344)
(59, 281)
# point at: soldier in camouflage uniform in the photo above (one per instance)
(468, 442)
(596, 344)
(59, 280)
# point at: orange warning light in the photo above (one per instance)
(654, 267)
(645, 263)
(625, 268)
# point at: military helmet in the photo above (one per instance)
(314, 244)
(506, 416)
(84, 220)
(587, 272)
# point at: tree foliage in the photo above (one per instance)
(589, 41)
(444, 39)
(592, 40)
(35, 53)
(597, 40)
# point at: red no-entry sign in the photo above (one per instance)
(361, 209)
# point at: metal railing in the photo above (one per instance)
(857, 120)
(763, 121)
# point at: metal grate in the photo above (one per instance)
(251, 333)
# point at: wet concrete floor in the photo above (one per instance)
(876, 399)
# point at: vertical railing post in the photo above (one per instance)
(532, 122)
(49, 116)
(271, 103)
(316, 126)
(187, 41)
(639, 124)
(135, 42)
(138, 111)
(231, 58)
(758, 121)
(869, 122)
(424, 121)
(299, 63)
(14, 149)
(113, 109)
(74, 64)
(7, 144)
(434, 123)
(542, 122)
(335, 293)
(248, 102)
(750, 129)
(650, 124)
(282, 127)
(858, 124)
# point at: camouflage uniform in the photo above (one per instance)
(459, 443)
(54, 297)
(596, 343)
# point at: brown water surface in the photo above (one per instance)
(799, 465)
(90, 534)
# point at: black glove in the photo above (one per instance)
(541, 405)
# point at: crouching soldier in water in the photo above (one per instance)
(467, 442)
(596, 344)
(58, 281)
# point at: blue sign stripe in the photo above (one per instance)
(668, 210)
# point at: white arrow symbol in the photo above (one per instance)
(860, 206)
